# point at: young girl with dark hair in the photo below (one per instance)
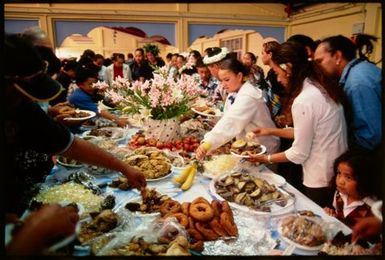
(244, 110)
(318, 119)
(354, 188)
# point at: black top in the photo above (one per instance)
(276, 86)
(142, 70)
(159, 63)
(65, 81)
(31, 138)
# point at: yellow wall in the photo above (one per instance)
(317, 21)
(179, 13)
(323, 20)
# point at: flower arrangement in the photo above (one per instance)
(160, 98)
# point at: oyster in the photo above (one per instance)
(239, 197)
(229, 181)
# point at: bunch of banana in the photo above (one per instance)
(186, 177)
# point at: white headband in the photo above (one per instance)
(217, 57)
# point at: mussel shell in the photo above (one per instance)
(132, 206)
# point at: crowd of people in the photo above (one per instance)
(317, 110)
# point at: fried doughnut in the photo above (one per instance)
(185, 208)
(217, 207)
(216, 226)
(197, 246)
(196, 239)
(200, 200)
(206, 231)
(226, 208)
(191, 222)
(228, 224)
(169, 206)
(201, 211)
(182, 218)
(194, 234)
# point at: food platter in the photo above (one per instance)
(263, 150)
(274, 208)
(91, 114)
(297, 245)
(217, 112)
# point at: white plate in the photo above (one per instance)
(272, 178)
(299, 246)
(102, 106)
(91, 115)
(275, 209)
(118, 133)
(248, 156)
(218, 113)
(68, 165)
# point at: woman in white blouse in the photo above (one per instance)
(319, 124)
(244, 110)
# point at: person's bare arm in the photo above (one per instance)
(121, 122)
(280, 132)
(41, 228)
(89, 153)
(366, 228)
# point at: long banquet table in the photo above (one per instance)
(201, 188)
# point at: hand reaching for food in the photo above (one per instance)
(201, 151)
(330, 212)
(260, 131)
(135, 178)
(122, 122)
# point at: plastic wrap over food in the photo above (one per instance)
(254, 237)
(154, 233)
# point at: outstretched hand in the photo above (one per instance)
(200, 153)
(135, 177)
(261, 131)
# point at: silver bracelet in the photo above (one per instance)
(269, 159)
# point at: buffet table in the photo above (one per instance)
(259, 232)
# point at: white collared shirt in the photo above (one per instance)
(352, 206)
(246, 113)
(319, 135)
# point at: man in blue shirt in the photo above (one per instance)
(361, 82)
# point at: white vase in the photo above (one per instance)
(165, 130)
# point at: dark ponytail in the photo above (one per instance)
(364, 44)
